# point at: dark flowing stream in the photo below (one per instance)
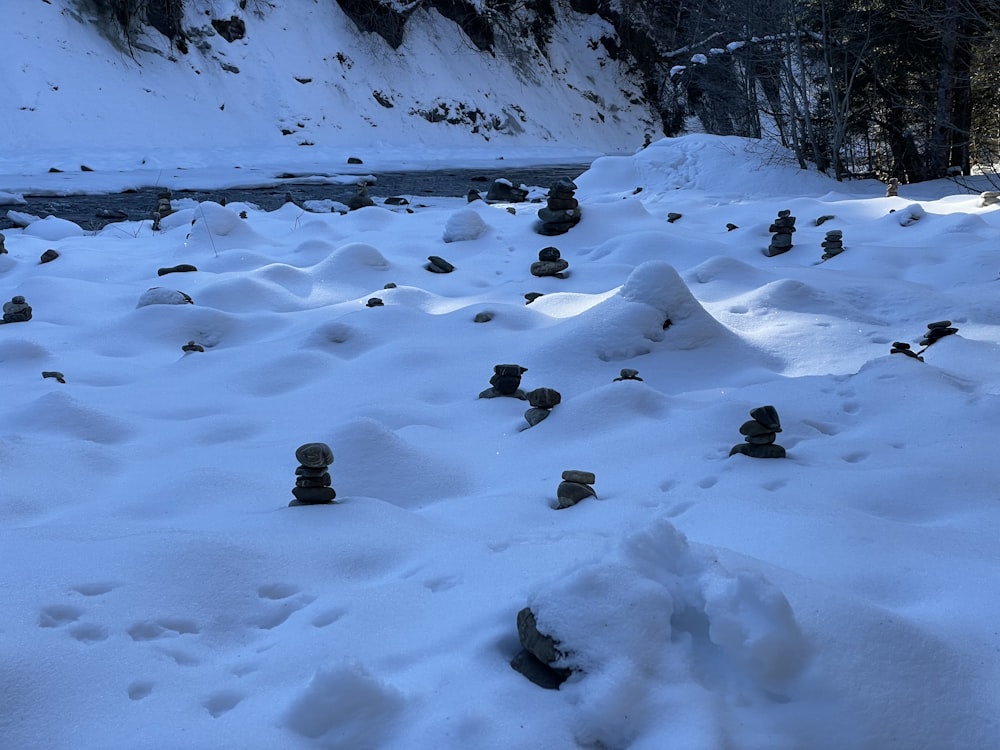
(94, 211)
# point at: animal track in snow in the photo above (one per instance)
(441, 583)
(93, 589)
(327, 618)
(57, 615)
(822, 427)
(277, 590)
(89, 633)
(283, 601)
(139, 689)
(678, 509)
(166, 627)
(222, 702)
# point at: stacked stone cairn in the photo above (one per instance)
(833, 244)
(574, 488)
(16, 311)
(989, 198)
(562, 209)
(759, 433)
(783, 227)
(937, 330)
(539, 652)
(506, 381)
(163, 207)
(628, 374)
(360, 199)
(549, 263)
(543, 401)
(901, 347)
(312, 480)
(892, 189)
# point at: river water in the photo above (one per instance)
(94, 211)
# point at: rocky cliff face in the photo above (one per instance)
(542, 71)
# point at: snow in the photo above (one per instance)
(160, 592)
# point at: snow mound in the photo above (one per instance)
(464, 225)
(658, 616)
(345, 706)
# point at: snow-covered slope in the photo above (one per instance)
(304, 84)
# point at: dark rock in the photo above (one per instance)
(543, 647)
(531, 297)
(753, 428)
(627, 374)
(901, 347)
(314, 455)
(543, 268)
(672, 217)
(439, 265)
(544, 398)
(767, 416)
(181, 268)
(483, 317)
(823, 219)
(772, 450)
(541, 674)
(354, 160)
(192, 346)
(323, 480)
(230, 29)
(562, 185)
(561, 216)
(575, 475)
(562, 204)
(549, 254)
(570, 493)
(312, 496)
(502, 191)
(48, 256)
(54, 374)
(2, 248)
(535, 415)
(473, 195)
(374, 302)
(730, 227)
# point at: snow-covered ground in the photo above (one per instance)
(159, 593)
